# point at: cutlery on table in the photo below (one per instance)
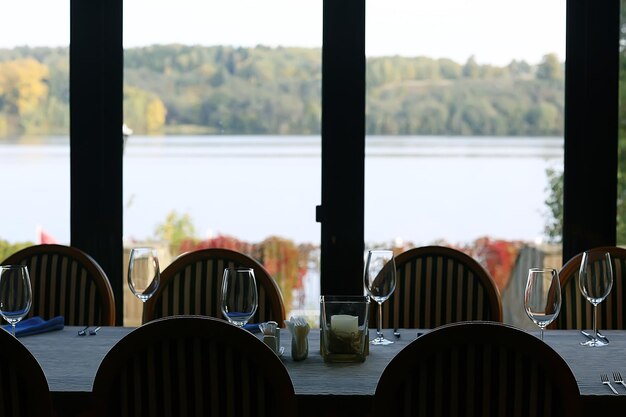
(605, 381)
(396, 333)
(83, 331)
(600, 335)
(617, 377)
(94, 332)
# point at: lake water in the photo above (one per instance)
(418, 189)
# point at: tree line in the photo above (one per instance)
(172, 89)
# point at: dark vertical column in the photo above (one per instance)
(96, 78)
(343, 147)
(591, 125)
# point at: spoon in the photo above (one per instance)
(94, 331)
(83, 331)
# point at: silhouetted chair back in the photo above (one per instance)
(576, 312)
(67, 282)
(24, 389)
(193, 366)
(477, 369)
(436, 285)
(192, 285)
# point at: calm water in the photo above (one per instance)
(418, 189)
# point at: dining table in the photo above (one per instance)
(70, 363)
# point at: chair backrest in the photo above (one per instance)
(436, 285)
(477, 369)
(192, 285)
(24, 389)
(193, 366)
(576, 312)
(67, 282)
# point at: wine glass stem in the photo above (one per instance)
(541, 333)
(13, 329)
(595, 323)
(379, 330)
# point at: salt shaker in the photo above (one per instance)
(271, 335)
(299, 329)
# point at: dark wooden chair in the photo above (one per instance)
(436, 285)
(192, 285)
(576, 311)
(67, 282)
(477, 369)
(193, 366)
(24, 389)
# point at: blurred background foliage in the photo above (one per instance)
(178, 89)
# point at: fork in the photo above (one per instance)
(605, 381)
(618, 378)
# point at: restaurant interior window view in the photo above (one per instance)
(222, 139)
(479, 144)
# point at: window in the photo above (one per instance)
(225, 143)
(465, 139)
(34, 124)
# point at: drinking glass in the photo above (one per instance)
(542, 297)
(144, 274)
(595, 280)
(15, 294)
(380, 282)
(239, 295)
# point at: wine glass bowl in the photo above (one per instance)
(144, 274)
(15, 293)
(239, 295)
(542, 296)
(380, 282)
(595, 280)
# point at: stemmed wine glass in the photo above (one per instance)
(595, 280)
(380, 282)
(144, 274)
(542, 296)
(15, 293)
(239, 295)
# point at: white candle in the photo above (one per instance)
(343, 323)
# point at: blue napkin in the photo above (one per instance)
(35, 325)
(252, 327)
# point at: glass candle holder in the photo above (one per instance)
(344, 328)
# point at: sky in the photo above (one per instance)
(493, 31)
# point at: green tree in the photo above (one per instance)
(144, 111)
(471, 69)
(176, 229)
(550, 68)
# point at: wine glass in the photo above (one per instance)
(15, 293)
(542, 297)
(595, 280)
(239, 295)
(144, 274)
(380, 282)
